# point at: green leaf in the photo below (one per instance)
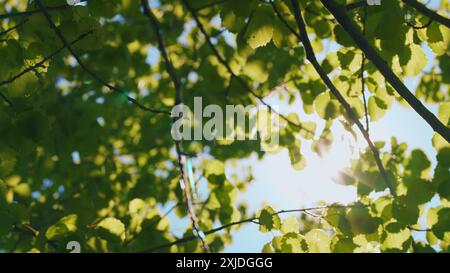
(267, 248)
(361, 221)
(441, 173)
(413, 60)
(289, 225)
(376, 108)
(23, 190)
(318, 241)
(342, 36)
(406, 213)
(298, 161)
(441, 228)
(64, 226)
(419, 191)
(6, 224)
(417, 163)
(7, 160)
(234, 13)
(260, 29)
(268, 220)
(215, 171)
(308, 130)
(292, 243)
(326, 107)
(111, 229)
(23, 86)
(396, 241)
(342, 245)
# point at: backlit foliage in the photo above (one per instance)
(79, 162)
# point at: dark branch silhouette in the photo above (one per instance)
(420, 27)
(5, 98)
(89, 71)
(363, 68)
(233, 75)
(245, 221)
(428, 12)
(39, 64)
(303, 37)
(21, 23)
(178, 100)
(210, 5)
(34, 11)
(339, 12)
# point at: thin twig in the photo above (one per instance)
(210, 5)
(428, 12)
(21, 23)
(418, 229)
(34, 11)
(361, 4)
(178, 101)
(8, 101)
(348, 109)
(420, 27)
(234, 75)
(158, 220)
(249, 220)
(41, 63)
(363, 68)
(340, 13)
(90, 72)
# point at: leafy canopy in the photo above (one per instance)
(80, 161)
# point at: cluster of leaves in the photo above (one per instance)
(80, 163)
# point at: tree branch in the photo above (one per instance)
(363, 68)
(356, 5)
(245, 221)
(428, 12)
(34, 11)
(184, 182)
(41, 63)
(8, 101)
(339, 12)
(89, 71)
(210, 5)
(14, 27)
(420, 27)
(419, 229)
(312, 58)
(242, 82)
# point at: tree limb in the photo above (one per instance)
(210, 5)
(14, 27)
(339, 12)
(242, 82)
(363, 68)
(8, 101)
(178, 101)
(245, 221)
(428, 12)
(312, 58)
(34, 11)
(37, 65)
(89, 71)
(356, 5)
(40, 63)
